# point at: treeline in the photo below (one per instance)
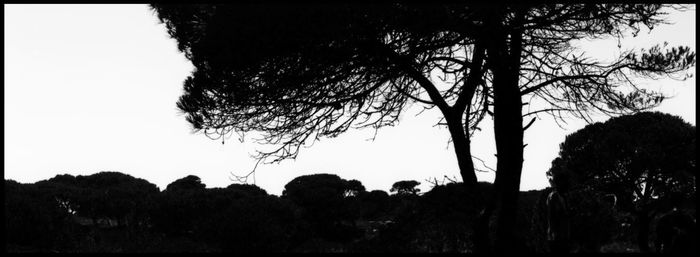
(115, 212)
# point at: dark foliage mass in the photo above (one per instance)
(320, 212)
(405, 187)
(645, 164)
(316, 213)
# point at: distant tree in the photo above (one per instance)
(379, 195)
(405, 187)
(105, 195)
(353, 188)
(190, 182)
(178, 206)
(326, 200)
(246, 190)
(320, 189)
(644, 159)
(34, 219)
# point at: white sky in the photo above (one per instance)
(92, 88)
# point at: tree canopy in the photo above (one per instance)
(317, 70)
(103, 194)
(405, 187)
(190, 182)
(647, 160)
(640, 157)
(321, 190)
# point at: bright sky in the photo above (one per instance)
(92, 88)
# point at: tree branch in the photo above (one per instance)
(472, 81)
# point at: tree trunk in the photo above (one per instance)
(461, 142)
(508, 130)
(509, 146)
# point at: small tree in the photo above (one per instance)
(644, 159)
(405, 187)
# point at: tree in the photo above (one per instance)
(405, 187)
(530, 54)
(190, 182)
(179, 206)
(354, 188)
(327, 202)
(34, 219)
(246, 190)
(647, 160)
(321, 191)
(103, 195)
(320, 70)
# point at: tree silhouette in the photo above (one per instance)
(531, 55)
(111, 195)
(405, 187)
(318, 70)
(246, 190)
(326, 200)
(646, 160)
(34, 219)
(298, 73)
(190, 182)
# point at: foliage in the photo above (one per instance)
(104, 194)
(405, 187)
(245, 222)
(190, 182)
(642, 158)
(325, 200)
(320, 190)
(35, 219)
(646, 160)
(373, 205)
(292, 84)
(175, 212)
(244, 218)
